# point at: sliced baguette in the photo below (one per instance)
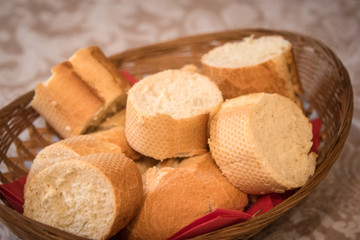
(264, 64)
(167, 114)
(80, 145)
(262, 142)
(177, 193)
(80, 93)
(92, 196)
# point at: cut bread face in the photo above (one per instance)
(92, 196)
(179, 94)
(264, 64)
(262, 142)
(80, 93)
(167, 114)
(177, 192)
(246, 53)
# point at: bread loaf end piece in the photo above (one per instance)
(102, 76)
(264, 64)
(179, 192)
(167, 114)
(262, 143)
(91, 196)
(221, 193)
(80, 93)
(65, 101)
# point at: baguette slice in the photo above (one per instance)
(177, 193)
(167, 114)
(80, 145)
(92, 196)
(262, 142)
(80, 93)
(264, 64)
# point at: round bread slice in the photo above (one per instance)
(177, 193)
(92, 196)
(262, 142)
(79, 145)
(167, 114)
(264, 64)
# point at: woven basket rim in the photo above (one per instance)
(321, 170)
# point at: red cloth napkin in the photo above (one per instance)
(316, 124)
(221, 218)
(14, 193)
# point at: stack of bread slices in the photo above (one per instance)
(153, 157)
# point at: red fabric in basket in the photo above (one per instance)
(14, 193)
(129, 77)
(316, 127)
(221, 218)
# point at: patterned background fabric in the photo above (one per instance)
(35, 35)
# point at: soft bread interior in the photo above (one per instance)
(248, 52)
(63, 203)
(180, 94)
(284, 138)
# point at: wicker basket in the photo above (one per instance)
(327, 89)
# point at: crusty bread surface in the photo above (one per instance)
(80, 145)
(264, 64)
(167, 114)
(177, 193)
(92, 196)
(262, 142)
(80, 93)
(112, 129)
(116, 135)
(58, 103)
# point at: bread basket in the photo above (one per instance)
(327, 91)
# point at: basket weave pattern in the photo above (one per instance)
(327, 90)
